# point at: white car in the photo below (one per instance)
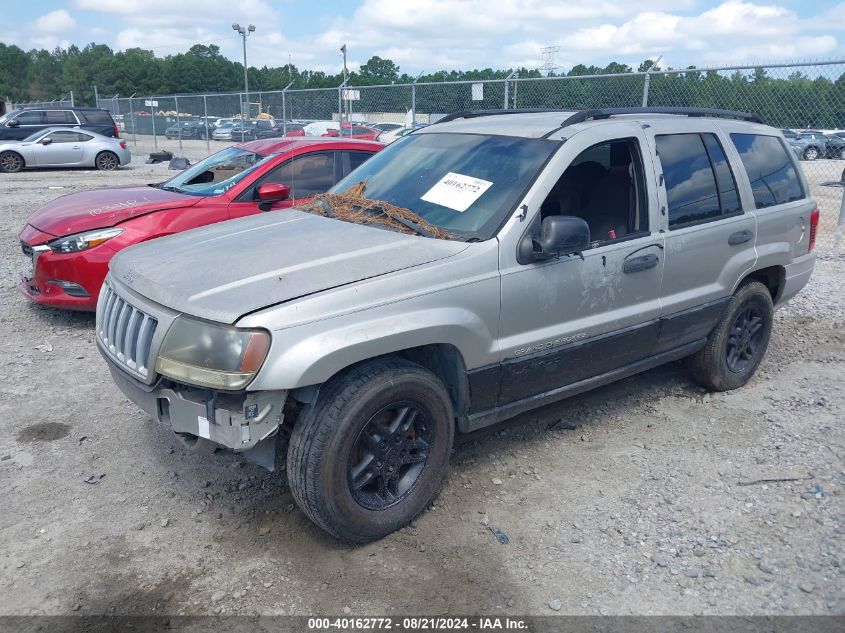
(386, 127)
(319, 128)
(391, 135)
(64, 147)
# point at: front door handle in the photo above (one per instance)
(740, 237)
(643, 262)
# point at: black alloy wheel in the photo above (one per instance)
(389, 455)
(744, 338)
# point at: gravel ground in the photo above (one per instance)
(649, 496)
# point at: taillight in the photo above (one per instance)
(116, 131)
(814, 225)
(122, 144)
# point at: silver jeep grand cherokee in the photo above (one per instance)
(580, 248)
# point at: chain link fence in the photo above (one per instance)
(797, 97)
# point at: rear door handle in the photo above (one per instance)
(643, 262)
(740, 237)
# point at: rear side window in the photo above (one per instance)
(356, 159)
(770, 170)
(699, 182)
(97, 117)
(60, 117)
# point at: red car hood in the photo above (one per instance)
(100, 208)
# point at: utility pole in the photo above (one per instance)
(414, 99)
(346, 87)
(244, 32)
(648, 80)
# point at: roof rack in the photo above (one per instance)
(606, 113)
(471, 114)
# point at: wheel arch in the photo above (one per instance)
(773, 277)
(442, 359)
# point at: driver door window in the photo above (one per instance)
(306, 175)
(64, 137)
(603, 186)
(29, 117)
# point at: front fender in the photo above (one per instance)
(311, 354)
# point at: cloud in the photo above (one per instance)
(55, 22)
(49, 42)
(461, 34)
(733, 31)
(183, 11)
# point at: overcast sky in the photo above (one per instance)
(429, 35)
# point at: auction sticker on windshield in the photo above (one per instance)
(456, 191)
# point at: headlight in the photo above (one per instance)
(210, 355)
(83, 241)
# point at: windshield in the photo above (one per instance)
(32, 137)
(464, 183)
(218, 173)
(7, 116)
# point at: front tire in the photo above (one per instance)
(738, 343)
(107, 161)
(368, 456)
(11, 162)
(811, 153)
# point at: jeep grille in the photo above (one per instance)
(125, 331)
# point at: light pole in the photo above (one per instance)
(244, 32)
(346, 87)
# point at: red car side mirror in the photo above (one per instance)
(273, 192)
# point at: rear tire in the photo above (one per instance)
(811, 153)
(738, 343)
(11, 162)
(368, 456)
(107, 161)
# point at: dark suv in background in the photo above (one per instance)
(18, 124)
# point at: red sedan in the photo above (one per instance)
(71, 240)
(359, 132)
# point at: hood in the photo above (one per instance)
(223, 271)
(100, 208)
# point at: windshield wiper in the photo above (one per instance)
(416, 228)
(172, 188)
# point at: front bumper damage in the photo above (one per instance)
(246, 422)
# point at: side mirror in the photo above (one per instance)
(271, 192)
(46, 141)
(13, 123)
(560, 235)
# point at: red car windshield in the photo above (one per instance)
(218, 173)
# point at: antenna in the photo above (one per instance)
(549, 54)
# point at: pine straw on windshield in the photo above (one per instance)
(352, 206)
